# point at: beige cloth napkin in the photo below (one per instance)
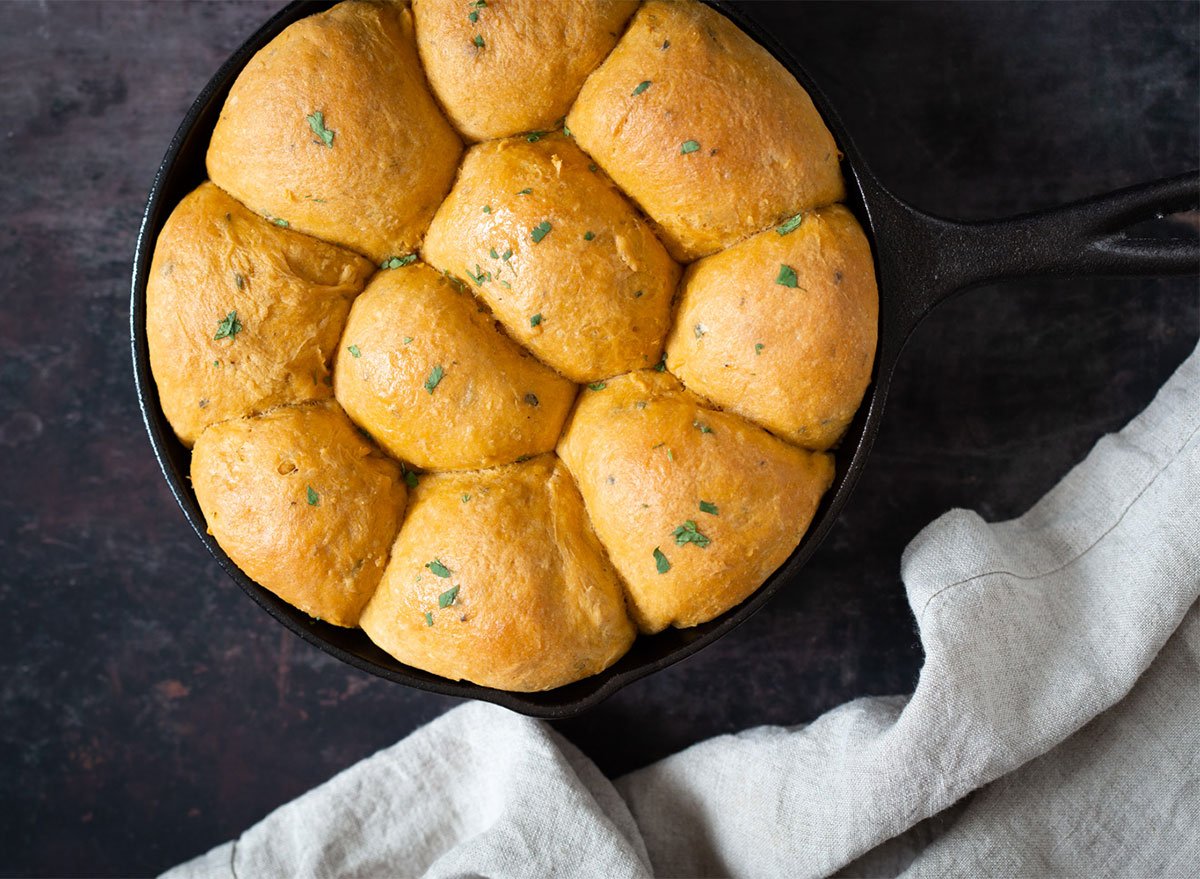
(1050, 733)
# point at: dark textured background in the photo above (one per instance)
(149, 710)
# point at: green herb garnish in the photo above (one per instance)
(597, 386)
(435, 376)
(229, 327)
(465, 498)
(354, 352)
(758, 348)
(428, 619)
(535, 136)
(240, 281)
(706, 507)
(410, 479)
(540, 231)
(588, 236)
(439, 569)
(535, 320)
(642, 86)
(317, 123)
(791, 224)
(661, 366)
(314, 499)
(447, 598)
(687, 533)
(396, 262)
(787, 276)
(279, 221)
(525, 191)
(478, 41)
(660, 561)
(688, 146)
(487, 208)
(702, 427)
(591, 167)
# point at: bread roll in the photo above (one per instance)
(496, 578)
(695, 507)
(302, 504)
(561, 257)
(704, 129)
(782, 328)
(331, 129)
(435, 381)
(241, 315)
(504, 66)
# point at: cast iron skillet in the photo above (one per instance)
(921, 261)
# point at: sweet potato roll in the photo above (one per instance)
(704, 129)
(434, 381)
(562, 258)
(503, 67)
(497, 578)
(695, 507)
(303, 504)
(331, 129)
(242, 315)
(781, 328)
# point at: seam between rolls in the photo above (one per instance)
(1077, 556)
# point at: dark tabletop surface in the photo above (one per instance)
(149, 710)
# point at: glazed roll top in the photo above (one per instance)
(497, 578)
(562, 259)
(500, 68)
(704, 129)
(434, 381)
(242, 315)
(302, 504)
(781, 328)
(695, 507)
(331, 129)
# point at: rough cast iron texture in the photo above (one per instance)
(149, 711)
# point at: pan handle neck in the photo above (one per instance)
(924, 259)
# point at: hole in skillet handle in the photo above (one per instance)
(183, 169)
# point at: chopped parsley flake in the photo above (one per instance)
(638, 294)
(702, 427)
(447, 598)
(435, 376)
(487, 208)
(407, 339)
(494, 254)
(535, 136)
(525, 191)
(660, 561)
(661, 366)
(591, 167)
(480, 276)
(240, 281)
(540, 231)
(758, 348)
(439, 569)
(314, 500)
(670, 454)
(522, 459)
(706, 507)
(465, 498)
(689, 146)
(507, 255)
(687, 533)
(410, 479)
(354, 352)
(478, 41)
(642, 86)
(428, 619)
(588, 236)
(597, 386)
(279, 221)
(531, 399)
(535, 320)
(566, 130)
(787, 276)
(317, 123)
(229, 327)
(666, 44)
(473, 16)
(791, 224)
(216, 364)
(396, 262)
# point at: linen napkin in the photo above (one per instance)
(1036, 633)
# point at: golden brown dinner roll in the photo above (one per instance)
(434, 380)
(241, 315)
(781, 328)
(303, 504)
(496, 578)
(504, 66)
(561, 257)
(704, 129)
(331, 129)
(695, 507)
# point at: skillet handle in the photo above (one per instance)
(926, 259)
